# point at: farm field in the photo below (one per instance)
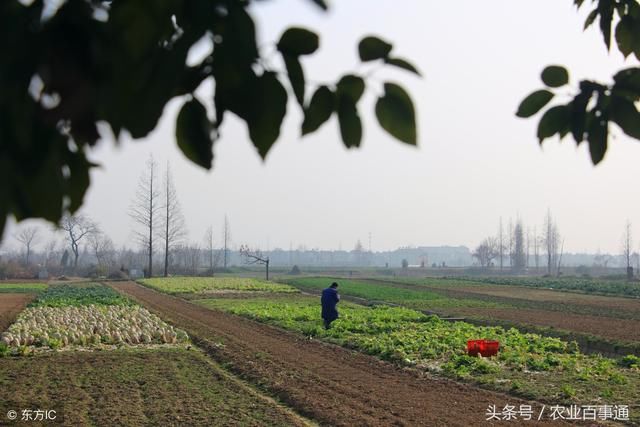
(529, 365)
(85, 315)
(10, 287)
(328, 384)
(201, 287)
(611, 320)
(134, 387)
(80, 350)
(594, 286)
(127, 354)
(10, 306)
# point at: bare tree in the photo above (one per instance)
(226, 238)
(144, 209)
(103, 249)
(77, 227)
(536, 248)
(627, 248)
(558, 272)
(501, 244)
(193, 253)
(213, 256)
(29, 238)
(519, 257)
(511, 243)
(173, 227)
(486, 251)
(255, 257)
(550, 238)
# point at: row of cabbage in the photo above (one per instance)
(67, 315)
(528, 364)
(211, 285)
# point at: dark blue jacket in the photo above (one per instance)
(329, 300)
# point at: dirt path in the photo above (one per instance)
(10, 306)
(330, 384)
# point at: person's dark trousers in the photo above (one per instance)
(327, 324)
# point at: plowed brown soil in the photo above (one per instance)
(613, 329)
(10, 306)
(330, 384)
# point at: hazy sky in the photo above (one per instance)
(475, 162)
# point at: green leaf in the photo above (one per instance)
(598, 135)
(534, 103)
(371, 48)
(605, 10)
(555, 76)
(269, 106)
(78, 180)
(298, 41)
(350, 123)
(625, 114)
(351, 86)
(624, 36)
(578, 108)
(401, 63)
(193, 133)
(396, 114)
(296, 76)
(590, 19)
(319, 110)
(627, 83)
(554, 120)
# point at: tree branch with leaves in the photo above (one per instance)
(84, 62)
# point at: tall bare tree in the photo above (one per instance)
(510, 243)
(536, 248)
(486, 251)
(551, 239)
(77, 227)
(226, 239)
(519, 256)
(144, 209)
(213, 256)
(173, 226)
(627, 247)
(29, 238)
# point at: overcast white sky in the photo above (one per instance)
(475, 162)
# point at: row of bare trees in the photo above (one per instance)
(156, 209)
(515, 246)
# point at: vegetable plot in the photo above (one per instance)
(528, 365)
(79, 295)
(18, 288)
(89, 315)
(62, 326)
(176, 285)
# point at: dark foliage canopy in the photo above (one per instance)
(120, 62)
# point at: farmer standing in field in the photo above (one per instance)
(329, 300)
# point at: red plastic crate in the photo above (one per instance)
(486, 348)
